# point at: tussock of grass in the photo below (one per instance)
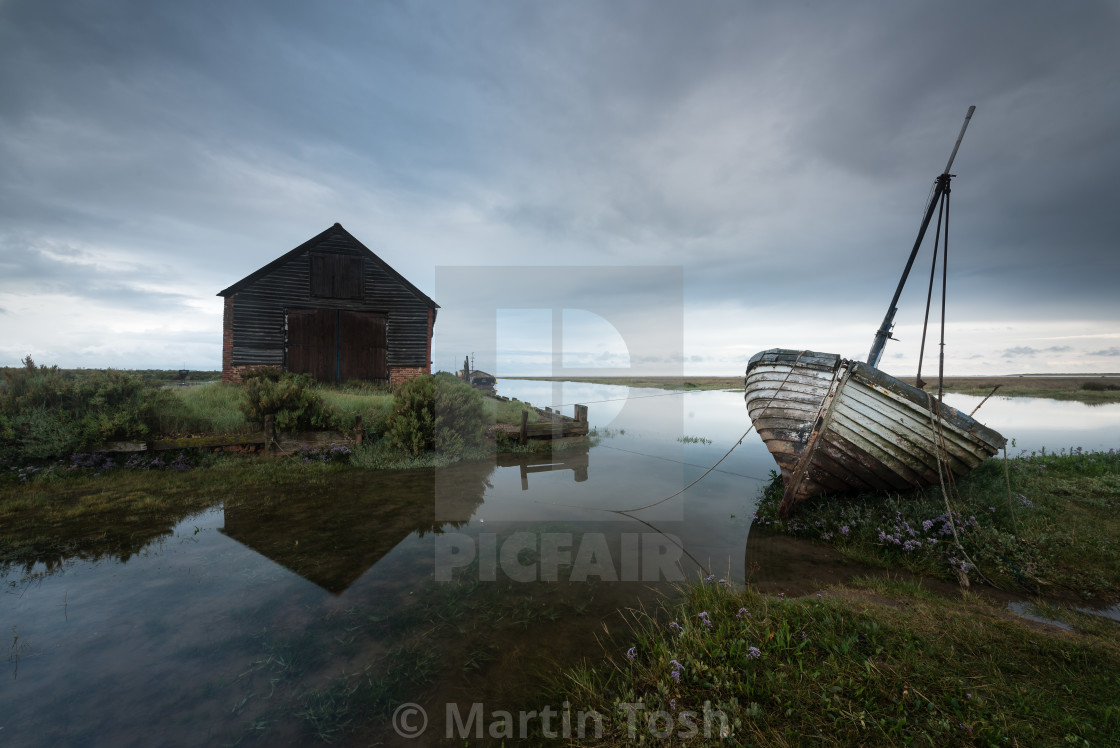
(209, 408)
(841, 668)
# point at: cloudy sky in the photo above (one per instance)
(774, 159)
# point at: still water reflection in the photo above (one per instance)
(299, 614)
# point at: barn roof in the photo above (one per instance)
(311, 244)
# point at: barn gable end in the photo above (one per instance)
(331, 308)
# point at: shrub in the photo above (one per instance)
(47, 412)
(292, 400)
(438, 413)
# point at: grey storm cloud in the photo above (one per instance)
(767, 149)
(1113, 351)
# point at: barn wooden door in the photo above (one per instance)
(361, 338)
(334, 346)
(312, 342)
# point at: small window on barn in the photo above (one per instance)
(335, 276)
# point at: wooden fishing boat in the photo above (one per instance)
(836, 425)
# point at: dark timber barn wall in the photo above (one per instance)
(330, 308)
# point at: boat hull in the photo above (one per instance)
(836, 426)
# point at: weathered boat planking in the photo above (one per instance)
(835, 425)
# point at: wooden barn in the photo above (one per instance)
(330, 308)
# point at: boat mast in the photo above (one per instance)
(942, 184)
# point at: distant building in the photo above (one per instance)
(330, 308)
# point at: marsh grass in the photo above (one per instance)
(345, 403)
(208, 408)
(216, 408)
(509, 411)
(1057, 533)
(874, 663)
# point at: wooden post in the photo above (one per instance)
(581, 413)
(359, 430)
(524, 435)
(269, 433)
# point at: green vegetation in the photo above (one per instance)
(46, 412)
(509, 411)
(293, 400)
(873, 663)
(441, 414)
(1057, 532)
(207, 409)
(888, 662)
(372, 403)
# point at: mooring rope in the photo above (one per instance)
(942, 472)
(676, 462)
(769, 402)
(693, 483)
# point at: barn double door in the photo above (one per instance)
(335, 345)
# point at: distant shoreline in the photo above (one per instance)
(1087, 388)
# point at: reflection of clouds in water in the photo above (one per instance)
(1038, 422)
(566, 394)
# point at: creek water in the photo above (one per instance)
(300, 613)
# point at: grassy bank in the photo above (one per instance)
(1085, 388)
(1056, 533)
(48, 414)
(887, 661)
(871, 663)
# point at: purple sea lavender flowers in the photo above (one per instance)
(677, 670)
